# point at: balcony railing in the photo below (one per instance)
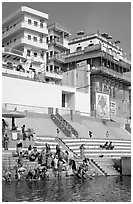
(10, 50)
(58, 57)
(23, 23)
(111, 72)
(53, 74)
(56, 41)
(23, 39)
(92, 48)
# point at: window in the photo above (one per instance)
(35, 23)
(29, 37)
(51, 68)
(35, 54)
(41, 40)
(90, 44)
(47, 39)
(42, 55)
(35, 39)
(79, 49)
(51, 38)
(41, 25)
(63, 100)
(29, 21)
(47, 54)
(28, 53)
(51, 53)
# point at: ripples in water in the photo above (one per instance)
(100, 189)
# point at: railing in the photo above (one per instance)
(21, 108)
(61, 125)
(111, 72)
(57, 57)
(99, 168)
(92, 48)
(10, 50)
(24, 39)
(20, 23)
(30, 75)
(67, 125)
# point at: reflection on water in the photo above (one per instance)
(100, 189)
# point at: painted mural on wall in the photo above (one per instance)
(102, 106)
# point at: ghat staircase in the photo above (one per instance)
(64, 125)
(74, 134)
(101, 159)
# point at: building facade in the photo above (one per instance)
(25, 30)
(86, 74)
(108, 68)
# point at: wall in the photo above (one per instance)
(82, 102)
(69, 78)
(121, 97)
(126, 166)
(71, 101)
(73, 47)
(26, 92)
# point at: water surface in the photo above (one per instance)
(100, 189)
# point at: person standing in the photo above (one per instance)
(6, 142)
(82, 149)
(19, 146)
(23, 132)
(43, 157)
(90, 134)
(58, 131)
(4, 127)
(107, 134)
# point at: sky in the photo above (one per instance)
(113, 18)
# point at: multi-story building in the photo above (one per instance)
(86, 74)
(108, 66)
(58, 39)
(26, 30)
(30, 78)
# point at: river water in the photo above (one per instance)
(100, 189)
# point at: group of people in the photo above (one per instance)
(46, 161)
(107, 145)
(23, 133)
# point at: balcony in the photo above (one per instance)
(23, 25)
(12, 54)
(92, 48)
(111, 73)
(58, 57)
(13, 72)
(23, 40)
(59, 42)
(53, 75)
